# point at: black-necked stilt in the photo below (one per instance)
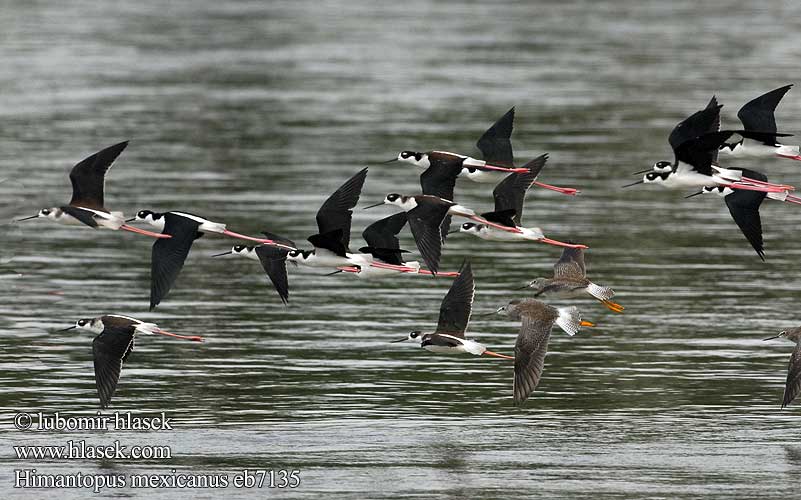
(744, 208)
(114, 344)
(695, 154)
(793, 385)
(496, 148)
(383, 256)
(454, 315)
(273, 260)
(158, 220)
(509, 195)
(570, 280)
(426, 214)
(87, 204)
(758, 115)
(537, 319)
(333, 223)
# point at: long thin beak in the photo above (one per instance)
(489, 313)
(774, 337)
(67, 329)
(28, 218)
(454, 231)
(522, 287)
(586, 323)
(642, 172)
(224, 253)
(335, 272)
(388, 161)
(131, 219)
(396, 341)
(694, 194)
(633, 183)
(373, 206)
(193, 338)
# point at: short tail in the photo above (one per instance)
(569, 320)
(600, 292)
(115, 220)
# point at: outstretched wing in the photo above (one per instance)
(744, 209)
(793, 385)
(168, 254)
(273, 260)
(530, 349)
(454, 313)
(510, 193)
(336, 212)
(758, 114)
(88, 177)
(425, 221)
(109, 350)
(495, 144)
(570, 264)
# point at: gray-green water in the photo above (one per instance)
(253, 112)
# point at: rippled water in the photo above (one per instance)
(253, 112)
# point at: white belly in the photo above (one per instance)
(483, 176)
(492, 234)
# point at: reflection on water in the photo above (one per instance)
(252, 113)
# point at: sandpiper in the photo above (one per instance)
(570, 280)
(793, 385)
(537, 319)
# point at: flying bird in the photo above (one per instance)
(114, 344)
(758, 115)
(570, 280)
(454, 315)
(537, 320)
(793, 385)
(87, 205)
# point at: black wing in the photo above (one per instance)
(530, 350)
(273, 260)
(331, 241)
(699, 123)
(503, 217)
(793, 385)
(744, 208)
(439, 179)
(88, 177)
(382, 240)
(168, 254)
(84, 216)
(454, 313)
(510, 193)
(757, 114)
(495, 144)
(336, 212)
(110, 349)
(425, 221)
(570, 264)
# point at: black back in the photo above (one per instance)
(744, 209)
(88, 177)
(84, 216)
(502, 217)
(110, 349)
(454, 313)
(758, 114)
(684, 139)
(331, 241)
(336, 212)
(382, 240)
(510, 193)
(168, 254)
(495, 144)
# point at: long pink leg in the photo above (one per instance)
(793, 199)
(383, 265)
(747, 187)
(126, 227)
(449, 274)
(790, 157)
(784, 187)
(560, 243)
(515, 170)
(570, 191)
